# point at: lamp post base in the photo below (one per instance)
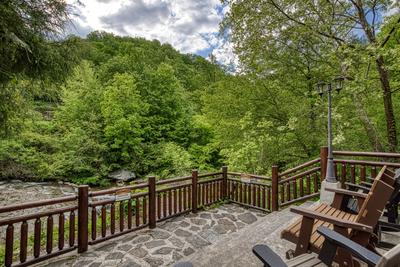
(327, 196)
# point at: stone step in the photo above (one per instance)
(236, 249)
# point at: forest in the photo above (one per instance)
(76, 109)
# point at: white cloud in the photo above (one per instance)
(191, 26)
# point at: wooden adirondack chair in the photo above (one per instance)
(358, 227)
(332, 242)
(389, 222)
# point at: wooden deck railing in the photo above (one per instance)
(77, 222)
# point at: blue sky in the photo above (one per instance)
(191, 26)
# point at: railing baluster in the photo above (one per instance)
(288, 195)
(353, 174)
(263, 197)
(121, 216)
(23, 242)
(144, 210)
(159, 205)
(308, 183)
(130, 213)
(103, 221)
(241, 193)
(362, 173)
(137, 211)
(294, 186)
(185, 198)
(61, 231)
(282, 191)
(49, 234)
(180, 199)
(207, 196)
(258, 196)
(301, 184)
(94, 223)
(269, 198)
(71, 229)
(344, 174)
(170, 202)
(9, 245)
(112, 219)
(37, 237)
(175, 201)
(316, 183)
(190, 197)
(164, 203)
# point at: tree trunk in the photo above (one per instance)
(369, 127)
(388, 104)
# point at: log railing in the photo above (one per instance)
(76, 222)
(356, 167)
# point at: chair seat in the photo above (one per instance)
(293, 231)
(306, 260)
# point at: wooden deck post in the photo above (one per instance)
(224, 182)
(152, 202)
(324, 161)
(274, 189)
(83, 210)
(194, 190)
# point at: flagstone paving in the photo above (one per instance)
(171, 241)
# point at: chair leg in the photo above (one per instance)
(304, 236)
(343, 257)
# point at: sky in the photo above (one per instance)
(191, 26)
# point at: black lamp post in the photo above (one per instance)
(322, 88)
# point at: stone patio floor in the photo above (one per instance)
(171, 241)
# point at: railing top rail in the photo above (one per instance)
(304, 165)
(310, 171)
(174, 180)
(36, 215)
(367, 154)
(256, 176)
(36, 204)
(208, 174)
(116, 189)
(368, 163)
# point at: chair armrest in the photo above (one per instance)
(268, 257)
(333, 220)
(357, 250)
(357, 187)
(346, 192)
(389, 227)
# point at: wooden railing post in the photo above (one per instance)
(224, 182)
(274, 189)
(324, 161)
(83, 210)
(152, 202)
(194, 190)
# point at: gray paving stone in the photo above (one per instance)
(182, 233)
(154, 261)
(205, 215)
(125, 247)
(129, 263)
(194, 228)
(155, 243)
(138, 252)
(176, 242)
(198, 221)
(115, 256)
(140, 239)
(197, 241)
(188, 251)
(95, 264)
(163, 251)
(247, 217)
(82, 263)
(160, 234)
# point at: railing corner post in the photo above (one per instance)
(152, 202)
(274, 184)
(224, 182)
(324, 161)
(195, 173)
(83, 218)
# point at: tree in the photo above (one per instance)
(310, 29)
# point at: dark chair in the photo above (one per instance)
(333, 241)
